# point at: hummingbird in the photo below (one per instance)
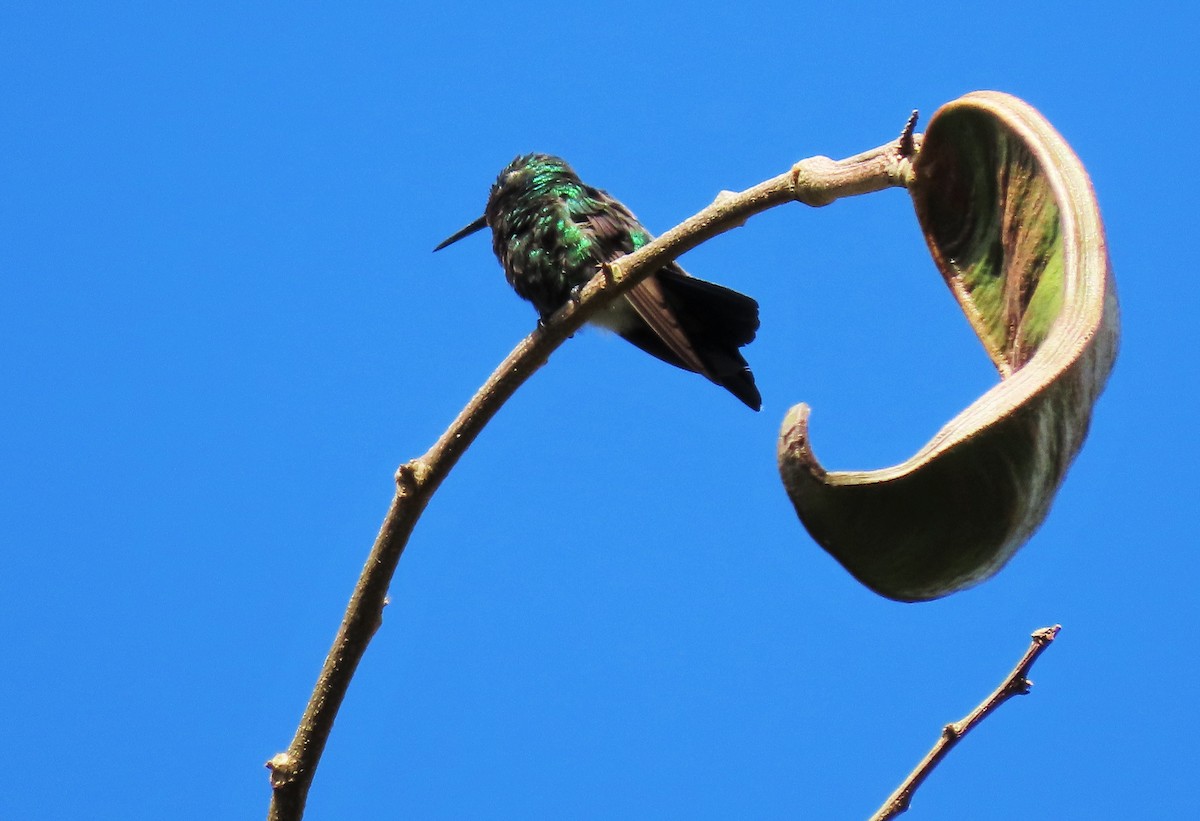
(552, 233)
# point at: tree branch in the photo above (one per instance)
(1017, 684)
(815, 181)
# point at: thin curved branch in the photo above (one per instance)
(1016, 684)
(815, 181)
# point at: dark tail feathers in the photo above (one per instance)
(717, 321)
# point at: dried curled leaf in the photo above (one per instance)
(1013, 225)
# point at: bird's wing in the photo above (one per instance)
(650, 302)
(616, 232)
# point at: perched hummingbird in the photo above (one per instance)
(552, 233)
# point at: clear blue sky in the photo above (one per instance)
(222, 328)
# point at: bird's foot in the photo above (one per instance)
(543, 325)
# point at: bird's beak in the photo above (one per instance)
(465, 232)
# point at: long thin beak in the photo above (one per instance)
(465, 232)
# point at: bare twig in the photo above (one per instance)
(815, 181)
(1016, 684)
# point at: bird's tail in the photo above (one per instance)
(716, 322)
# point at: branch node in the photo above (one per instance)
(810, 181)
(283, 769)
(730, 198)
(612, 271)
(901, 171)
(410, 475)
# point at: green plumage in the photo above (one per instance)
(552, 233)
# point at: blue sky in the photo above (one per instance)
(222, 329)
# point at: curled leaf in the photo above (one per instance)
(1013, 226)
